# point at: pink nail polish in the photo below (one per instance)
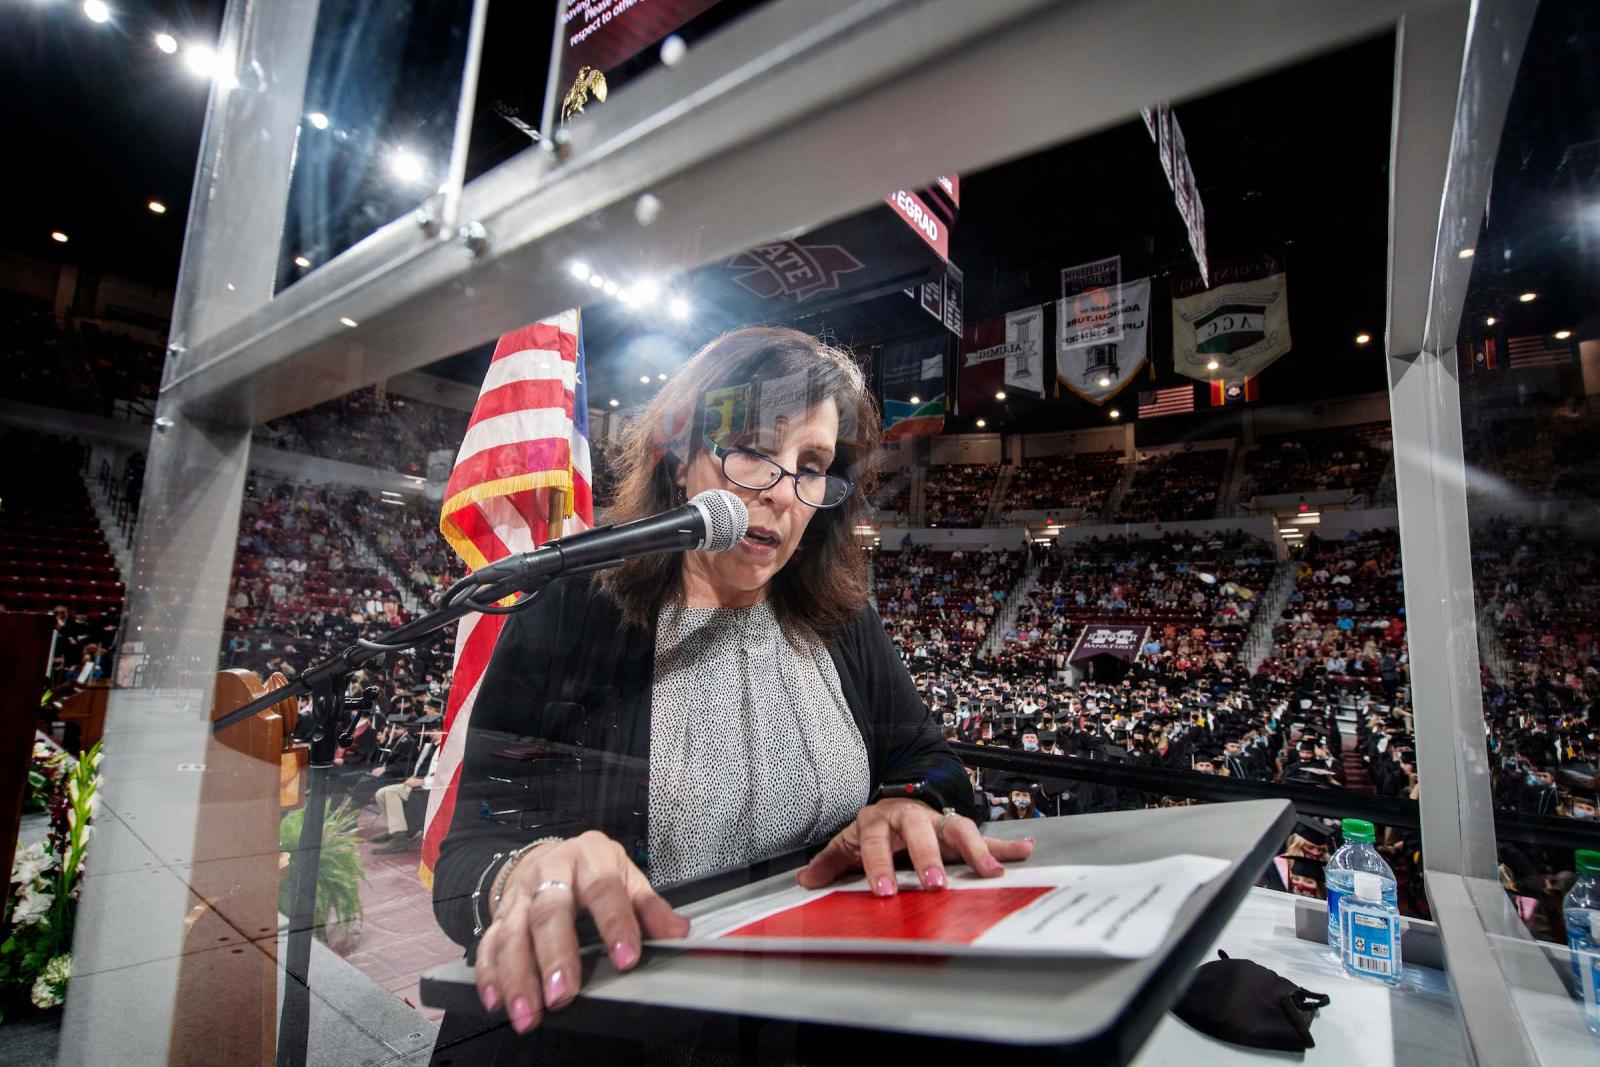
(884, 886)
(521, 1015)
(555, 989)
(624, 954)
(933, 878)
(993, 866)
(490, 997)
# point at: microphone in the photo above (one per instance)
(714, 521)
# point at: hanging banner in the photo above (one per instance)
(1025, 351)
(920, 217)
(1001, 353)
(1241, 325)
(1105, 639)
(1099, 372)
(913, 388)
(1091, 308)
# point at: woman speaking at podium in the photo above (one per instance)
(701, 711)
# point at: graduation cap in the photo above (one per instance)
(1314, 833)
(1047, 737)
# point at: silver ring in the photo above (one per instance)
(552, 884)
(949, 813)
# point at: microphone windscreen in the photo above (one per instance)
(727, 519)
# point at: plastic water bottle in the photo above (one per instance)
(1356, 854)
(1370, 929)
(1581, 908)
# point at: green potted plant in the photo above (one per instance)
(340, 874)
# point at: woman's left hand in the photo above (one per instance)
(931, 839)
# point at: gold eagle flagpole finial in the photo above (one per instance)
(589, 80)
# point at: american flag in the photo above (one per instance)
(522, 476)
(1537, 351)
(1175, 401)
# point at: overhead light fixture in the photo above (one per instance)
(614, 402)
(1528, 298)
(406, 166)
(317, 119)
(610, 288)
(1114, 413)
(678, 308)
(157, 207)
(916, 400)
(230, 287)
(1489, 321)
(1212, 365)
(1105, 381)
(1363, 338)
(58, 237)
(167, 43)
(1001, 395)
(661, 377)
(644, 379)
(580, 270)
(596, 281)
(1562, 335)
(981, 424)
(647, 291)
(1466, 253)
(302, 262)
(348, 321)
(201, 59)
(97, 10)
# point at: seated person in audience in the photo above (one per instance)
(392, 797)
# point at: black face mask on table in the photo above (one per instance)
(1244, 1003)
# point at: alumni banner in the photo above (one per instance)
(1099, 372)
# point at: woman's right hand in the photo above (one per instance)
(528, 957)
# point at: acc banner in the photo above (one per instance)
(1001, 353)
(1091, 311)
(1242, 323)
(913, 389)
(1099, 372)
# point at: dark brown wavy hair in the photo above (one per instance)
(720, 390)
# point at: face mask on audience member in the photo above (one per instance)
(1021, 801)
(1030, 742)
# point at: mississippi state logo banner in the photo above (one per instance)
(1235, 329)
(1101, 371)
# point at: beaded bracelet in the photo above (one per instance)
(504, 872)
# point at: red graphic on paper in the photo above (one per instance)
(958, 916)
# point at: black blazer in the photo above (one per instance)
(561, 735)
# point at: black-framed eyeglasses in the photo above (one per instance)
(752, 470)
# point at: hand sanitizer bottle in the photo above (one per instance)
(1370, 938)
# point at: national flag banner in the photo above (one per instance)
(1099, 372)
(997, 352)
(913, 389)
(1523, 353)
(521, 477)
(1241, 323)
(1485, 355)
(1234, 391)
(1091, 304)
(1178, 400)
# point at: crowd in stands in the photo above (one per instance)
(937, 606)
(1076, 481)
(958, 493)
(1196, 593)
(86, 368)
(1344, 457)
(1174, 486)
(405, 536)
(371, 427)
(1345, 617)
(1550, 454)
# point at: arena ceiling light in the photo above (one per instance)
(1562, 335)
(1528, 298)
(647, 291)
(201, 59)
(317, 119)
(1114, 413)
(406, 166)
(1489, 321)
(1363, 338)
(1105, 381)
(157, 207)
(644, 379)
(916, 400)
(1001, 395)
(167, 43)
(981, 423)
(611, 288)
(678, 308)
(348, 321)
(580, 270)
(302, 262)
(661, 377)
(1466, 253)
(58, 237)
(1213, 365)
(614, 402)
(97, 10)
(596, 281)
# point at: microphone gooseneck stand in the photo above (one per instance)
(529, 573)
(326, 682)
